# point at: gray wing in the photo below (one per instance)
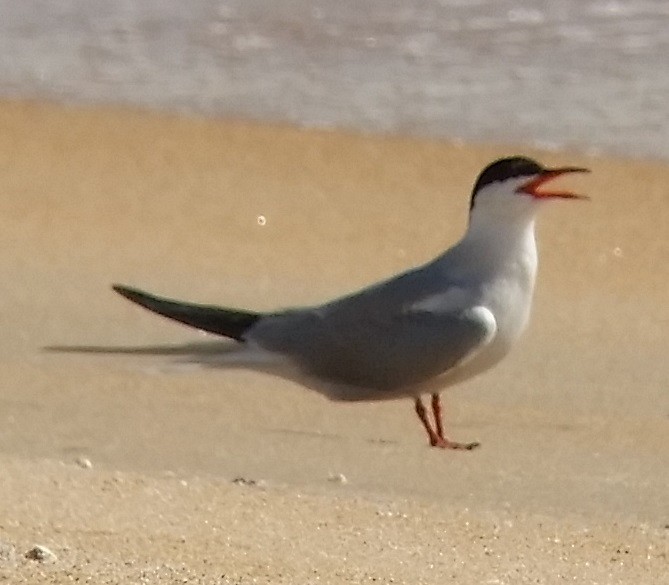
(380, 339)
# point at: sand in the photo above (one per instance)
(124, 463)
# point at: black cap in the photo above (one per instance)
(505, 168)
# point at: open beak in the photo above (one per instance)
(532, 187)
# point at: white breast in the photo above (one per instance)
(497, 267)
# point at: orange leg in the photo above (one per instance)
(436, 413)
(436, 435)
(422, 415)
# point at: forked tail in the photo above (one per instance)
(227, 322)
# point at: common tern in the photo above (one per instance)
(418, 332)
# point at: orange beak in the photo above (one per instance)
(532, 187)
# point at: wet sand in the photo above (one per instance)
(570, 482)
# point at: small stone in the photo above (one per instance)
(84, 462)
(41, 553)
(248, 482)
(339, 478)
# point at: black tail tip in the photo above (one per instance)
(127, 291)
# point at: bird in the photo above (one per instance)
(418, 332)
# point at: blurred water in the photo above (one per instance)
(590, 74)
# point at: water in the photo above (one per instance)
(585, 74)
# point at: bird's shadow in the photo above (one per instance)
(223, 354)
(230, 355)
(205, 353)
(213, 354)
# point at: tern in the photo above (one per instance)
(418, 332)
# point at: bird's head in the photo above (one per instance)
(516, 185)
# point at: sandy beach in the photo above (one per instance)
(133, 462)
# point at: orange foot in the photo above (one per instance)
(436, 435)
(444, 443)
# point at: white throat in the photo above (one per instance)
(502, 239)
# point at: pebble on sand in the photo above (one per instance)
(84, 462)
(259, 483)
(41, 553)
(338, 478)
